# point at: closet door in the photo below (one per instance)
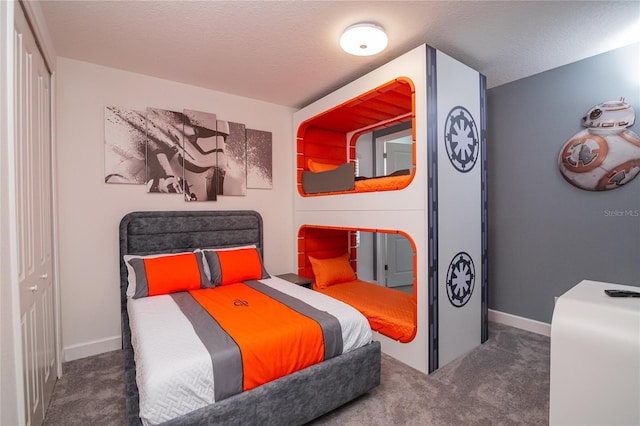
(34, 224)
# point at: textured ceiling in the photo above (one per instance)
(287, 52)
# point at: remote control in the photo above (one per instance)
(622, 293)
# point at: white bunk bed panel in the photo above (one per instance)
(459, 204)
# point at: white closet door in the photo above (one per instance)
(33, 192)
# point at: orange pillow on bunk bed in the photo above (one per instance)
(332, 270)
(317, 166)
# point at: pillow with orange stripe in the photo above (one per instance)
(163, 274)
(332, 270)
(234, 266)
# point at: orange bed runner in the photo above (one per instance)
(390, 312)
(250, 317)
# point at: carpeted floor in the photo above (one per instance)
(502, 382)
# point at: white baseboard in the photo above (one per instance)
(522, 323)
(95, 347)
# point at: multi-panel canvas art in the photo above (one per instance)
(190, 152)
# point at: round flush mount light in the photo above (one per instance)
(363, 39)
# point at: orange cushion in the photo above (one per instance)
(316, 166)
(332, 270)
(155, 275)
(234, 266)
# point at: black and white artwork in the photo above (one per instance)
(259, 159)
(235, 160)
(164, 151)
(189, 152)
(203, 155)
(124, 146)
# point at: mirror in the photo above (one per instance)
(385, 151)
(383, 287)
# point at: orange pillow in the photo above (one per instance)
(332, 270)
(155, 275)
(316, 166)
(234, 266)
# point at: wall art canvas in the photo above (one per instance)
(203, 154)
(259, 159)
(606, 154)
(164, 151)
(124, 146)
(233, 159)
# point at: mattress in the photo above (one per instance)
(389, 311)
(174, 369)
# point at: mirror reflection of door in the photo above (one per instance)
(398, 154)
(385, 151)
(399, 262)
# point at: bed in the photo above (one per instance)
(295, 398)
(389, 311)
(328, 178)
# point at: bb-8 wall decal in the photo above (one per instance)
(461, 278)
(605, 155)
(461, 139)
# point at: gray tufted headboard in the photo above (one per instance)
(176, 231)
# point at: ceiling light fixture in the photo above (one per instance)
(363, 39)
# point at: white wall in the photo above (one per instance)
(90, 210)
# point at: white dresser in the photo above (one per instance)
(595, 357)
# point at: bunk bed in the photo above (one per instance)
(294, 398)
(329, 262)
(426, 112)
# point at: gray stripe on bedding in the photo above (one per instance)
(331, 330)
(226, 357)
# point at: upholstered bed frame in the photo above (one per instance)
(292, 400)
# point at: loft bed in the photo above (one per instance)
(326, 144)
(295, 398)
(326, 258)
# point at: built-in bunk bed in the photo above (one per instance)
(325, 166)
(330, 258)
(438, 200)
(196, 304)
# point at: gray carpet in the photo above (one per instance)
(502, 382)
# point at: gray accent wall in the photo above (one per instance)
(545, 235)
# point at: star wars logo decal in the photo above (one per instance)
(461, 139)
(461, 278)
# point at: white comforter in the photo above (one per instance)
(173, 367)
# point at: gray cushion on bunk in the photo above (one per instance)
(340, 179)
